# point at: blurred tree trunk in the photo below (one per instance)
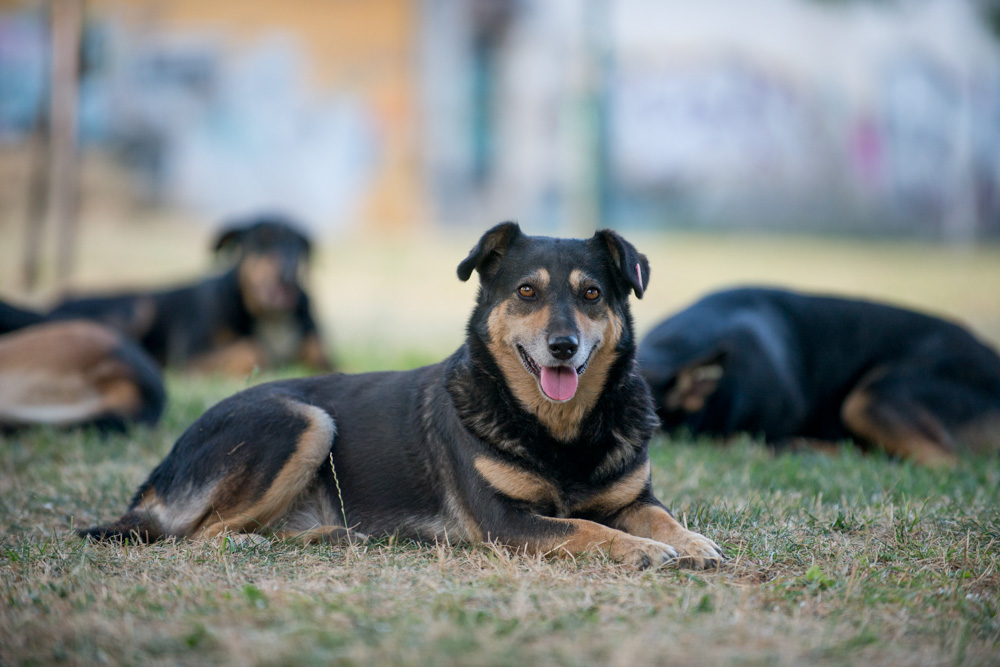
(61, 144)
(38, 186)
(67, 26)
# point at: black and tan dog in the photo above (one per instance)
(800, 369)
(533, 434)
(255, 314)
(73, 373)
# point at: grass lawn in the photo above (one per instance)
(837, 559)
(834, 559)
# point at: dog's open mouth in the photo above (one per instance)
(558, 383)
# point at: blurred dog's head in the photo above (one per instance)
(271, 255)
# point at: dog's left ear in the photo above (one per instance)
(228, 239)
(632, 265)
(486, 256)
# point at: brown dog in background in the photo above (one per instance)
(73, 373)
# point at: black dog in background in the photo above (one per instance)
(73, 373)
(256, 314)
(793, 368)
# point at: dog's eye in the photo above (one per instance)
(592, 294)
(526, 291)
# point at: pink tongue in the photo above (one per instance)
(559, 382)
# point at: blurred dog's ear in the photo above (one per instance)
(632, 265)
(228, 239)
(486, 256)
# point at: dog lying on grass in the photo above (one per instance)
(814, 370)
(73, 373)
(256, 314)
(534, 434)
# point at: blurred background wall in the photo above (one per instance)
(846, 117)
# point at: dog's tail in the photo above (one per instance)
(132, 527)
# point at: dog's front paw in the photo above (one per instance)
(696, 551)
(642, 553)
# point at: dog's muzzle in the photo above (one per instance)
(559, 382)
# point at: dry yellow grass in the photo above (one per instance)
(396, 299)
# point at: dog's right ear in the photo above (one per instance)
(486, 256)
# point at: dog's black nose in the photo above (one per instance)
(563, 347)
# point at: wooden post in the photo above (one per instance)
(38, 190)
(67, 26)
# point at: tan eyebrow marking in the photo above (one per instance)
(539, 278)
(577, 278)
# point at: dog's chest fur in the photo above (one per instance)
(524, 462)
(556, 496)
(280, 336)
